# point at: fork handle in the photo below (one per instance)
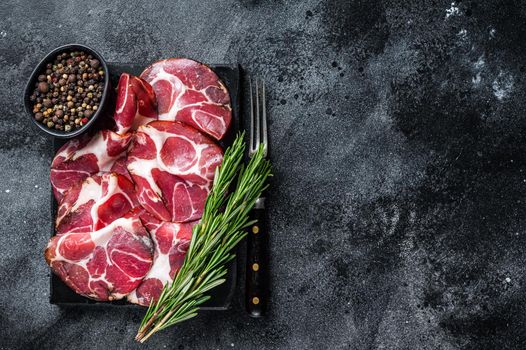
(257, 288)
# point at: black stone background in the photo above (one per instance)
(397, 214)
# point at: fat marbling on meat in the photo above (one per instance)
(95, 203)
(87, 155)
(171, 241)
(136, 103)
(173, 166)
(190, 92)
(106, 264)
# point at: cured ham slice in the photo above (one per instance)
(173, 167)
(129, 199)
(136, 103)
(95, 203)
(81, 157)
(190, 92)
(171, 241)
(106, 264)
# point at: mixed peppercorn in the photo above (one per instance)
(69, 92)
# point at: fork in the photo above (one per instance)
(257, 286)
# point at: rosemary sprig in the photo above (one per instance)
(213, 239)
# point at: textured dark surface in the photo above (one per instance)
(398, 138)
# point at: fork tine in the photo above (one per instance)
(264, 116)
(251, 144)
(258, 120)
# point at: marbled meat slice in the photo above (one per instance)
(81, 157)
(136, 103)
(190, 92)
(106, 264)
(173, 167)
(171, 241)
(95, 203)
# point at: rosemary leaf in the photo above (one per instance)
(213, 239)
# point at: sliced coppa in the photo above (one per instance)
(81, 157)
(173, 167)
(95, 203)
(136, 103)
(106, 264)
(171, 241)
(190, 92)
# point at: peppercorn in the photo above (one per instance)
(68, 91)
(43, 87)
(95, 63)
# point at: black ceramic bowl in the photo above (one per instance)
(30, 87)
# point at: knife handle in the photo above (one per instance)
(256, 293)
